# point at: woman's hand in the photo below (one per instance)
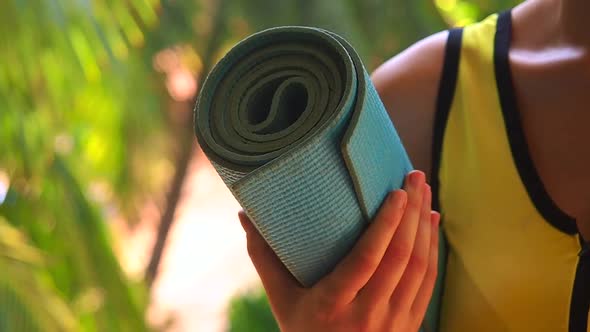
(384, 284)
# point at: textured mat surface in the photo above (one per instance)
(293, 125)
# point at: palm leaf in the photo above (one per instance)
(95, 261)
(27, 301)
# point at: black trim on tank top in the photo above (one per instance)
(585, 251)
(446, 92)
(580, 299)
(518, 145)
(580, 303)
(444, 101)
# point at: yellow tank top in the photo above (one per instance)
(513, 262)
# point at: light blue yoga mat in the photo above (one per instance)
(294, 127)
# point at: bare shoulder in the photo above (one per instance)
(408, 86)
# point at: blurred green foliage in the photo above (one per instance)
(88, 133)
(251, 312)
(85, 136)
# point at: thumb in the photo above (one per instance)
(278, 282)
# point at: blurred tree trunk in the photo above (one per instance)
(186, 147)
(186, 140)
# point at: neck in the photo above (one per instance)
(573, 16)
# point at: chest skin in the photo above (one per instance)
(550, 66)
(552, 87)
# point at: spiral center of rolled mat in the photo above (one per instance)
(277, 105)
(272, 93)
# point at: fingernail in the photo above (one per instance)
(435, 218)
(416, 178)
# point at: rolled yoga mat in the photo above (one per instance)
(294, 127)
